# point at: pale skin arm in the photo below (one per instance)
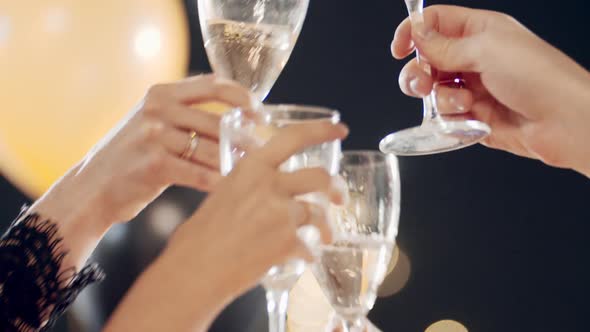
(157, 303)
(535, 98)
(137, 160)
(72, 205)
(126, 170)
(219, 253)
(203, 296)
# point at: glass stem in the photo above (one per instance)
(431, 115)
(277, 301)
(353, 325)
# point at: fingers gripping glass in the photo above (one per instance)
(435, 135)
(242, 130)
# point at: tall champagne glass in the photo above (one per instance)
(250, 41)
(241, 130)
(351, 269)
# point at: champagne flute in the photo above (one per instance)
(250, 41)
(435, 135)
(241, 130)
(351, 269)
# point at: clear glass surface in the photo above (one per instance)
(435, 135)
(242, 130)
(250, 41)
(351, 269)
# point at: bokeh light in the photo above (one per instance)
(446, 326)
(4, 29)
(399, 272)
(148, 42)
(394, 259)
(164, 217)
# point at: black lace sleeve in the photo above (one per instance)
(33, 293)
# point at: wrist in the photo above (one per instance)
(197, 277)
(206, 260)
(184, 278)
(72, 200)
(77, 211)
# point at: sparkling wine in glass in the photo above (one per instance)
(351, 269)
(242, 130)
(250, 41)
(435, 135)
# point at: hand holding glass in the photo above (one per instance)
(241, 130)
(435, 135)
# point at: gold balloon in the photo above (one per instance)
(70, 69)
(213, 107)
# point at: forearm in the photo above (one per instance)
(40, 263)
(167, 298)
(76, 211)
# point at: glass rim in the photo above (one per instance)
(329, 113)
(300, 107)
(374, 156)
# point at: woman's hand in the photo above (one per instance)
(255, 207)
(535, 98)
(140, 158)
(248, 224)
(144, 155)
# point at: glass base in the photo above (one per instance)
(284, 276)
(434, 138)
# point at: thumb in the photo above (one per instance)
(444, 53)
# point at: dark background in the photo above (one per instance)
(495, 241)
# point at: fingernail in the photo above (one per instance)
(341, 189)
(414, 82)
(344, 129)
(459, 108)
(309, 235)
(256, 104)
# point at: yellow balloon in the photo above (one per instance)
(70, 69)
(213, 107)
